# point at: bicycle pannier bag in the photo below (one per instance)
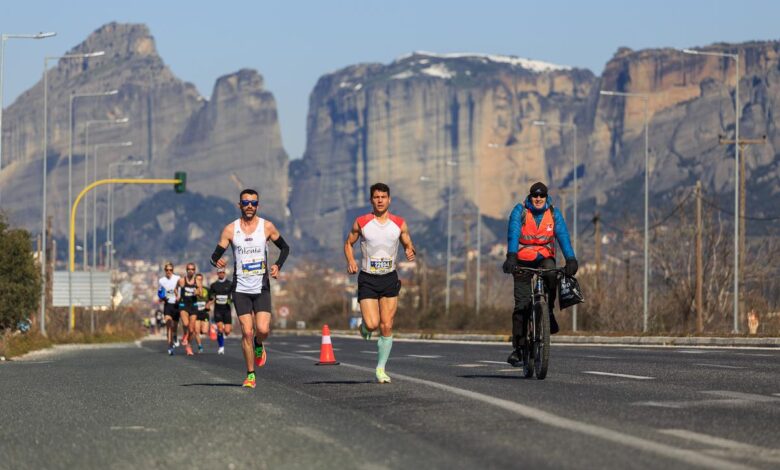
(569, 292)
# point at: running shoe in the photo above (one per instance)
(184, 342)
(516, 358)
(260, 356)
(176, 344)
(170, 351)
(189, 350)
(200, 349)
(381, 377)
(221, 350)
(249, 382)
(364, 332)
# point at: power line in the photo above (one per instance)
(726, 211)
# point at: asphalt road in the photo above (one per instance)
(450, 406)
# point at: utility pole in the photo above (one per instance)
(742, 143)
(467, 244)
(597, 225)
(699, 264)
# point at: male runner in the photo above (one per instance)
(378, 283)
(169, 296)
(220, 295)
(189, 310)
(201, 303)
(249, 237)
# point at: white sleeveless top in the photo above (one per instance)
(249, 253)
(170, 287)
(379, 243)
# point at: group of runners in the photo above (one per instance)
(530, 242)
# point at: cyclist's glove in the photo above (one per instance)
(571, 267)
(510, 264)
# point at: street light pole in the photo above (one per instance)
(573, 127)
(110, 221)
(736, 173)
(645, 301)
(86, 175)
(450, 163)
(45, 169)
(3, 38)
(94, 206)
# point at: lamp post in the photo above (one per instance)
(110, 221)
(74, 97)
(45, 169)
(3, 38)
(573, 127)
(86, 173)
(736, 172)
(450, 163)
(94, 206)
(646, 98)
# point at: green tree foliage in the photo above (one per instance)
(20, 283)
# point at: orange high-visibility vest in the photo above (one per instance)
(537, 239)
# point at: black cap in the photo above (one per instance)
(538, 189)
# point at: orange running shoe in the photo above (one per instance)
(249, 382)
(260, 356)
(188, 348)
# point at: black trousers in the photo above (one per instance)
(524, 296)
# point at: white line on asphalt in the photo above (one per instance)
(747, 450)
(516, 369)
(755, 355)
(690, 457)
(776, 394)
(369, 352)
(132, 428)
(469, 365)
(625, 376)
(722, 366)
(600, 357)
(308, 351)
(742, 396)
(493, 362)
(422, 356)
(679, 404)
(689, 351)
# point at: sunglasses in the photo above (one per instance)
(539, 196)
(245, 202)
(169, 269)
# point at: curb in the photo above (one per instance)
(567, 339)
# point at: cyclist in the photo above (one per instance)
(534, 226)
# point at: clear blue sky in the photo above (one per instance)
(292, 43)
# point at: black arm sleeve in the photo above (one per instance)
(218, 252)
(284, 250)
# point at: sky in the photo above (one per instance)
(292, 43)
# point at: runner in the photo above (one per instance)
(203, 314)
(220, 296)
(189, 310)
(169, 296)
(378, 283)
(249, 237)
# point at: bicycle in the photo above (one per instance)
(537, 336)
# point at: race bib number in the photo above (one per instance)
(201, 305)
(222, 299)
(380, 265)
(189, 291)
(253, 268)
(170, 294)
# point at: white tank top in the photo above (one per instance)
(170, 287)
(379, 243)
(249, 253)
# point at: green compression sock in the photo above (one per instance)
(384, 345)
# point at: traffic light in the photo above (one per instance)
(181, 186)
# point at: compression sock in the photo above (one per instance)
(384, 345)
(258, 344)
(220, 339)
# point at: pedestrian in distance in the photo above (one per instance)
(221, 296)
(189, 309)
(249, 235)
(168, 295)
(378, 285)
(202, 293)
(534, 227)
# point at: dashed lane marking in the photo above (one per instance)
(470, 365)
(493, 362)
(735, 448)
(721, 366)
(611, 374)
(423, 356)
(743, 396)
(600, 357)
(369, 352)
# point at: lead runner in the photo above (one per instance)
(378, 283)
(249, 237)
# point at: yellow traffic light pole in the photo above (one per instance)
(71, 231)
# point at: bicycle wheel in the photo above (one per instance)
(528, 368)
(542, 345)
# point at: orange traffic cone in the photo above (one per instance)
(213, 332)
(327, 358)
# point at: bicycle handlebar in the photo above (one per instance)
(538, 270)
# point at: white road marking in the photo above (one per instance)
(625, 376)
(745, 450)
(516, 369)
(692, 351)
(722, 366)
(600, 357)
(469, 365)
(422, 356)
(692, 403)
(755, 355)
(369, 352)
(493, 362)
(743, 396)
(776, 394)
(132, 428)
(308, 351)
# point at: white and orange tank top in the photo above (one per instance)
(249, 253)
(379, 243)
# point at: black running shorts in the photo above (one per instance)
(189, 307)
(376, 286)
(203, 315)
(252, 303)
(223, 315)
(171, 310)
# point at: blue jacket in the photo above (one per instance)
(516, 226)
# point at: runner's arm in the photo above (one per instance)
(224, 241)
(353, 236)
(406, 241)
(276, 238)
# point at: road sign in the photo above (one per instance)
(283, 311)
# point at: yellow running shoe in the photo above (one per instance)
(249, 382)
(381, 377)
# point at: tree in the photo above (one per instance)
(20, 281)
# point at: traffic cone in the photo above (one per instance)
(327, 358)
(213, 332)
